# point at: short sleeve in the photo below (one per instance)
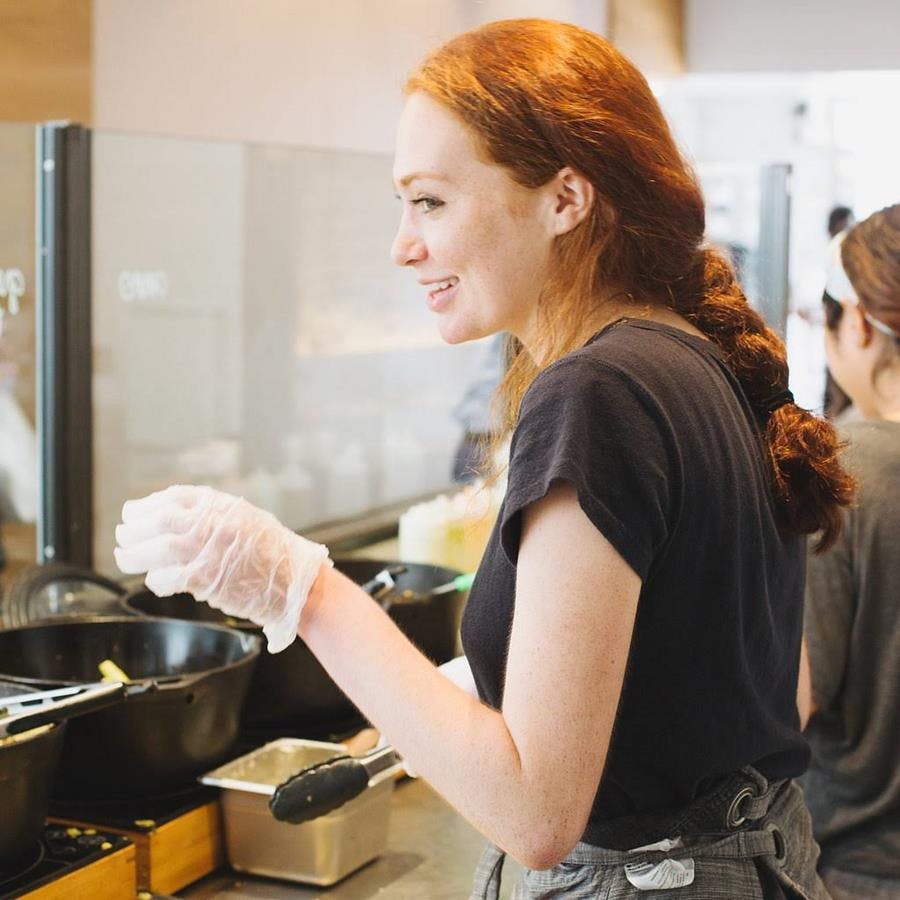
(591, 425)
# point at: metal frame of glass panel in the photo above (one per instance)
(774, 244)
(63, 310)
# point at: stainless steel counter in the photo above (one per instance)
(431, 855)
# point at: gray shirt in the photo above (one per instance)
(853, 632)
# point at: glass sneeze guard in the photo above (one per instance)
(251, 332)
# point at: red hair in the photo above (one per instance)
(541, 95)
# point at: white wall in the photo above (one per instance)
(302, 72)
(791, 35)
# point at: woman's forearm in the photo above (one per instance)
(462, 747)
(805, 702)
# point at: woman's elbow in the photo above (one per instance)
(545, 847)
(544, 857)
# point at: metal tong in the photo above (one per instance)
(324, 787)
(383, 589)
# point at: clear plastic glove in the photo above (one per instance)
(223, 550)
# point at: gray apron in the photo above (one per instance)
(751, 821)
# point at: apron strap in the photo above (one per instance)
(741, 845)
(486, 885)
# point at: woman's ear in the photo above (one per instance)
(572, 197)
(862, 331)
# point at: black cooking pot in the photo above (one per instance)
(151, 741)
(292, 687)
(27, 765)
(430, 622)
(287, 687)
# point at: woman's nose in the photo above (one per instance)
(408, 247)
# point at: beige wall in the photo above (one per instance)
(794, 36)
(301, 72)
(649, 33)
(45, 60)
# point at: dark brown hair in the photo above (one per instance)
(871, 258)
(872, 263)
(541, 95)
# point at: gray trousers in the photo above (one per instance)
(776, 831)
(853, 885)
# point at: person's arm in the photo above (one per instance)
(806, 706)
(525, 776)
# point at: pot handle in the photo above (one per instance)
(318, 790)
(185, 680)
(56, 708)
(382, 586)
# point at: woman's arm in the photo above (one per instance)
(805, 704)
(526, 776)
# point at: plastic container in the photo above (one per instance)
(448, 531)
(319, 852)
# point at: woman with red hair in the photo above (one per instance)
(634, 627)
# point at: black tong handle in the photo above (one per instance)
(319, 790)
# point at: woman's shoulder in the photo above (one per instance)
(580, 373)
(628, 353)
(871, 446)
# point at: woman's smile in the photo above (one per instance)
(441, 293)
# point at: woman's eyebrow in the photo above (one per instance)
(406, 180)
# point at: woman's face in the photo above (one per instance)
(478, 241)
(850, 357)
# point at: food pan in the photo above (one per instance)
(321, 851)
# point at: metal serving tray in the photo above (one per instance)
(320, 852)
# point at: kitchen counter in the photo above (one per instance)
(432, 853)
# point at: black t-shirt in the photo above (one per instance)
(657, 437)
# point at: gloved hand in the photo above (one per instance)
(221, 549)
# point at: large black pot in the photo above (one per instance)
(291, 687)
(287, 688)
(27, 766)
(431, 623)
(150, 742)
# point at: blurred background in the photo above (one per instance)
(219, 210)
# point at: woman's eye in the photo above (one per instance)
(428, 203)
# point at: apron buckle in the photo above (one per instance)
(733, 818)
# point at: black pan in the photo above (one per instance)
(291, 687)
(27, 767)
(154, 740)
(431, 622)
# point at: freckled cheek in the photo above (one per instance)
(462, 252)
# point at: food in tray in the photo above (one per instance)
(111, 672)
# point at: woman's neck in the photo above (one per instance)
(616, 306)
(885, 400)
(649, 312)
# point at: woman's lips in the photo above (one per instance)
(439, 298)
